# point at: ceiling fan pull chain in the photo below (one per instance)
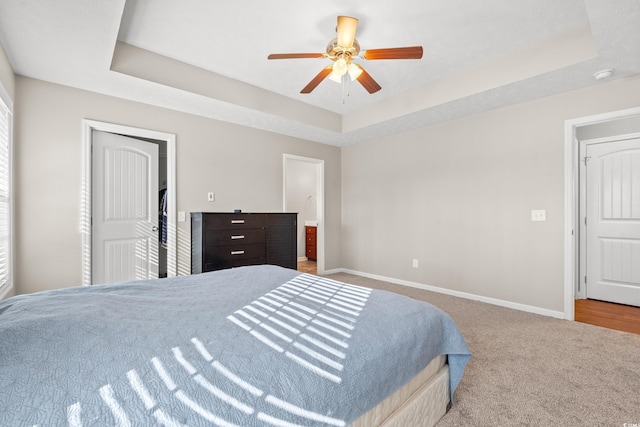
(345, 87)
(348, 83)
(343, 84)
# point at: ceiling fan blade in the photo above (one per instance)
(367, 81)
(346, 30)
(317, 79)
(411, 52)
(295, 55)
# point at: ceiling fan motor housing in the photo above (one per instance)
(335, 51)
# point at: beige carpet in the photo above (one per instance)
(532, 370)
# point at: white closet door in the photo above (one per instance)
(124, 228)
(613, 221)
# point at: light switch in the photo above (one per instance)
(538, 215)
(211, 197)
(182, 217)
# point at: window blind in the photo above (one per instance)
(5, 197)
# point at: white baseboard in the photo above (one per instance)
(302, 259)
(494, 301)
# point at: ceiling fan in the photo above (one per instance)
(342, 50)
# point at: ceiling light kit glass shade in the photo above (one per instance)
(339, 69)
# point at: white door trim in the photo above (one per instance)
(88, 126)
(572, 202)
(320, 200)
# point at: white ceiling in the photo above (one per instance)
(209, 57)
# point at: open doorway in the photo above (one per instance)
(129, 141)
(599, 132)
(304, 193)
(610, 231)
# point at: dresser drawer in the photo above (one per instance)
(234, 237)
(222, 264)
(234, 252)
(234, 221)
(311, 253)
(310, 243)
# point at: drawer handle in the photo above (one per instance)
(237, 252)
(237, 237)
(237, 221)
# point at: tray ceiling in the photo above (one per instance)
(210, 57)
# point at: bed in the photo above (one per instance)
(249, 346)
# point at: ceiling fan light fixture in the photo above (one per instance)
(342, 51)
(335, 77)
(340, 67)
(354, 71)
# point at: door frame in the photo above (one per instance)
(88, 126)
(572, 241)
(319, 202)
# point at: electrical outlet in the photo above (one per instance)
(538, 215)
(415, 263)
(182, 217)
(211, 197)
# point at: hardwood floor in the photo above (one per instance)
(608, 315)
(308, 267)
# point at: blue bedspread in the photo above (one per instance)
(257, 345)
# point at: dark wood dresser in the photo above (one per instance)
(310, 249)
(225, 240)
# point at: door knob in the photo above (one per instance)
(154, 228)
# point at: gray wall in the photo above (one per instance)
(458, 197)
(242, 166)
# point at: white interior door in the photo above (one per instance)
(613, 221)
(124, 225)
